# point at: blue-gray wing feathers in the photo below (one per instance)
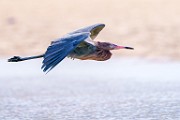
(57, 51)
(93, 29)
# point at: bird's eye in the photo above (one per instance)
(112, 46)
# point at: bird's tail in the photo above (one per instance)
(18, 58)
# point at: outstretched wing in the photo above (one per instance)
(57, 51)
(93, 29)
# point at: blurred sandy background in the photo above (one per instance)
(128, 89)
(152, 27)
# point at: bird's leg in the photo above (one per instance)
(18, 58)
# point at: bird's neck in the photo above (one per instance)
(101, 45)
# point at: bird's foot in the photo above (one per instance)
(15, 59)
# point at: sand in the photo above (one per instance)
(152, 27)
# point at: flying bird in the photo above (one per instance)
(78, 44)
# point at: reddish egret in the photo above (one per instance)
(77, 44)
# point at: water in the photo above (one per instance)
(118, 89)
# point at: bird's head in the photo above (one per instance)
(111, 46)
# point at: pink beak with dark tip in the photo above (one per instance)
(123, 47)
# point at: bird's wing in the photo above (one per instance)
(93, 29)
(57, 51)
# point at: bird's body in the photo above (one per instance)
(78, 44)
(86, 51)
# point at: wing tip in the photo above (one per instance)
(99, 25)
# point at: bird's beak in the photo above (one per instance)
(123, 47)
